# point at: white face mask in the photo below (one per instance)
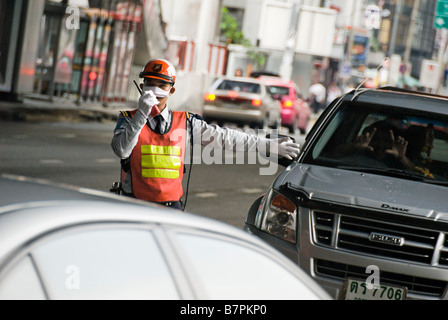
(159, 93)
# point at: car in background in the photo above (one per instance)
(62, 242)
(295, 110)
(365, 203)
(243, 101)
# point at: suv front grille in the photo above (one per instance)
(444, 252)
(418, 246)
(324, 226)
(416, 285)
(403, 241)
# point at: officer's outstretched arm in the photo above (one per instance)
(236, 140)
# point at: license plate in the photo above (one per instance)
(359, 290)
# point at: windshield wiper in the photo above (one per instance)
(396, 173)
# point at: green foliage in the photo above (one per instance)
(230, 29)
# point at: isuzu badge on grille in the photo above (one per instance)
(387, 239)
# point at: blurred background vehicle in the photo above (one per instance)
(243, 101)
(61, 242)
(295, 110)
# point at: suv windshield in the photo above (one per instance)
(385, 140)
(239, 86)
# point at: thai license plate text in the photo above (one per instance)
(358, 290)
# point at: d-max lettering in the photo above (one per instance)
(386, 206)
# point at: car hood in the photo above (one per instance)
(370, 191)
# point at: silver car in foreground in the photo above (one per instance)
(70, 243)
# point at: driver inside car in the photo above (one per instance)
(381, 141)
(394, 147)
(384, 142)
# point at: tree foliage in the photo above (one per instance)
(230, 29)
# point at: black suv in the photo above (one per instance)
(364, 208)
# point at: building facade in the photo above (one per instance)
(81, 50)
(90, 51)
(396, 28)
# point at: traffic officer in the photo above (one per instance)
(151, 140)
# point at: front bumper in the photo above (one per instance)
(331, 266)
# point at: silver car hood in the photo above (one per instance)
(370, 191)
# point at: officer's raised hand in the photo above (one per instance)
(285, 147)
(147, 101)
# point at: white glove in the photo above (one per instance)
(285, 147)
(147, 101)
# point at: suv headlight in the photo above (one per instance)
(278, 216)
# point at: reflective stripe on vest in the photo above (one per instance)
(160, 173)
(161, 150)
(160, 161)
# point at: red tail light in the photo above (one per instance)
(209, 97)
(287, 104)
(256, 102)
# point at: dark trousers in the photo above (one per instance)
(172, 204)
(175, 204)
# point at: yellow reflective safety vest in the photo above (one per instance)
(157, 161)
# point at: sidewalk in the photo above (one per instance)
(60, 109)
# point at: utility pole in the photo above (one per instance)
(395, 27)
(288, 54)
(348, 55)
(443, 57)
(414, 15)
(204, 33)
